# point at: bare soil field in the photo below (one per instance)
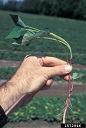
(34, 124)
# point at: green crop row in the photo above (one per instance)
(16, 55)
(6, 73)
(44, 46)
(50, 109)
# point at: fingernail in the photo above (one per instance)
(68, 68)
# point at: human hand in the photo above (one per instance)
(36, 73)
(33, 75)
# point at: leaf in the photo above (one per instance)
(27, 38)
(18, 41)
(15, 33)
(76, 76)
(17, 20)
(30, 35)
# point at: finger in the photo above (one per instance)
(66, 77)
(51, 61)
(49, 82)
(57, 70)
(47, 85)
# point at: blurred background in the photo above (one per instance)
(66, 18)
(63, 8)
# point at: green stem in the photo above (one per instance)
(63, 42)
(33, 31)
(32, 28)
(56, 41)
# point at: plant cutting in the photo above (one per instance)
(23, 35)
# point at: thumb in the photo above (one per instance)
(57, 70)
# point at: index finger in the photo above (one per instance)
(52, 61)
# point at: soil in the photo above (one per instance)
(6, 63)
(34, 124)
(57, 89)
